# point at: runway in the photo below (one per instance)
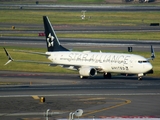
(64, 93)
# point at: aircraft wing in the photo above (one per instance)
(31, 52)
(10, 59)
(68, 66)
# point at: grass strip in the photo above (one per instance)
(73, 17)
(105, 36)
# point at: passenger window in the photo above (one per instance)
(143, 61)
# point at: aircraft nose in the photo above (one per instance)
(149, 66)
(149, 69)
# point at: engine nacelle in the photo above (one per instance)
(87, 71)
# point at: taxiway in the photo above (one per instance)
(64, 93)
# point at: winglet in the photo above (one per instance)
(152, 53)
(9, 57)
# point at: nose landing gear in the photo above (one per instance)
(140, 75)
(139, 78)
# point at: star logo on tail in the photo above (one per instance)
(50, 40)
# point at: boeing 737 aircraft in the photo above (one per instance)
(90, 63)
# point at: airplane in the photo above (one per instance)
(90, 63)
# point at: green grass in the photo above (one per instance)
(116, 35)
(105, 36)
(69, 17)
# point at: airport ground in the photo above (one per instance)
(20, 92)
(65, 93)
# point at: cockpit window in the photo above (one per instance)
(140, 61)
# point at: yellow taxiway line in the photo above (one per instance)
(108, 108)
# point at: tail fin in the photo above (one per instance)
(53, 43)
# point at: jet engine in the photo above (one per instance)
(87, 71)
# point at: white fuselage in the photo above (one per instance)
(107, 62)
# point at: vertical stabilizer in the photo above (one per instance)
(52, 41)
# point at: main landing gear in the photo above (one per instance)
(107, 75)
(83, 77)
(139, 78)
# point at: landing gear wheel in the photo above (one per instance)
(107, 75)
(83, 77)
(139, 78)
